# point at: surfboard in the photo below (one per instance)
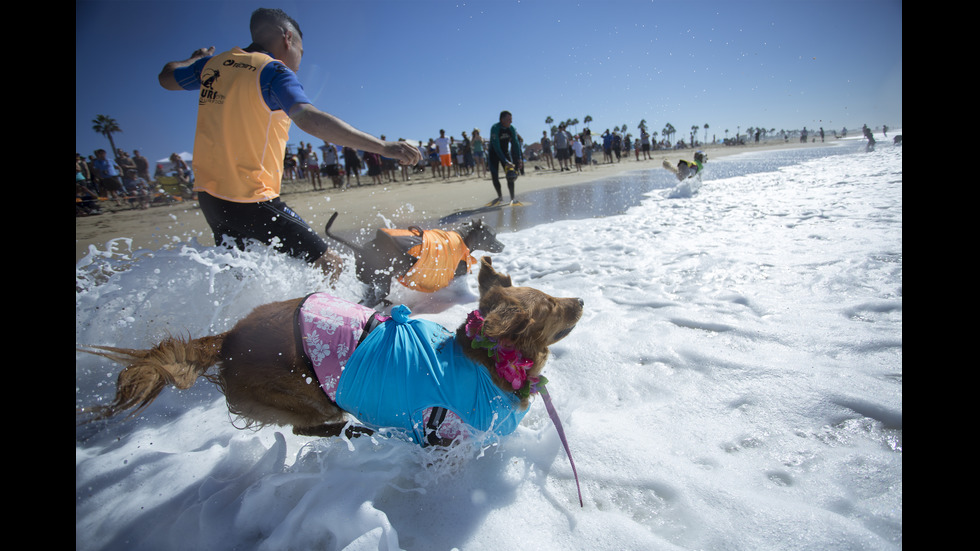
(502, 204)
(489, 207)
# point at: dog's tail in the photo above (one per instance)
(337, 238)
(175, 361)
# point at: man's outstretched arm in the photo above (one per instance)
(334, 130)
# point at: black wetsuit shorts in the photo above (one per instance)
(262, 222)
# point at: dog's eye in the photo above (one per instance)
(563, 333)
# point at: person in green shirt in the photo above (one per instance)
(505, 149)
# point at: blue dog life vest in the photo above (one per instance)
(407, 368)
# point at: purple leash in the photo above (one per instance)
(561, 434)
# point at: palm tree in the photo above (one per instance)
(705, 132)
(587, 119)
(107, 126)
(668, 131)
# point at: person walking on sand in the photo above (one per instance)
(468, 162)
(313, 167)
(109, 179)
(562, 147)
(546, 150)
(248, 98)
(479, 153)
(331, 163)
(504, 149)
(587, 147)
(142, 165)
(607, 146)
(445, 155)
(577, 148)
(352, 165)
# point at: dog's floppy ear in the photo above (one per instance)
(507, 320)
(490, 278)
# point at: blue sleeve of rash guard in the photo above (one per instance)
(280, 87)
(189, 78)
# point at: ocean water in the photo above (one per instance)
(735, 383)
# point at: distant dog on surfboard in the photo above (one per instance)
(687, 169)
(422, 260)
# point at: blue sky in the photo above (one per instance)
(405, 69)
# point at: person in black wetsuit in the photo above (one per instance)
(505, 149)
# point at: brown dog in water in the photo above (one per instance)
(408, 375)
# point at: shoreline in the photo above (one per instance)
(422, 198)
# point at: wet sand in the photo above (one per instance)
(600, 190)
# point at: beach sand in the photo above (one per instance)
(397, 204)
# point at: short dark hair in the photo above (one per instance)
(265, 19)
(504, 114)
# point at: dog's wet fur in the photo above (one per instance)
(381, 259)
(263, 373)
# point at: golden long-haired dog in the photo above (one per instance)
(309, 361)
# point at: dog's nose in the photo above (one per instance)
(580, 302)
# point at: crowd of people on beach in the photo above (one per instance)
(124, 182)
(449, 157)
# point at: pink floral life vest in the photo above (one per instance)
(330, 329)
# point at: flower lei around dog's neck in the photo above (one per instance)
(508, 361)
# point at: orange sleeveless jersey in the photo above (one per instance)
(240, 142)
(438, 256)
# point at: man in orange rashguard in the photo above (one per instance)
(248, 99)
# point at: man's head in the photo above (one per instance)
(277, 33)
(506, 118)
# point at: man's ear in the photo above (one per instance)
(287, 38)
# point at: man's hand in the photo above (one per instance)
(202, 52)
(166, 76)
(405, 153)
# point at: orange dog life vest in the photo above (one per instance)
(438, 255)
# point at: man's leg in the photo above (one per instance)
(265, 221)
(494, 177)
